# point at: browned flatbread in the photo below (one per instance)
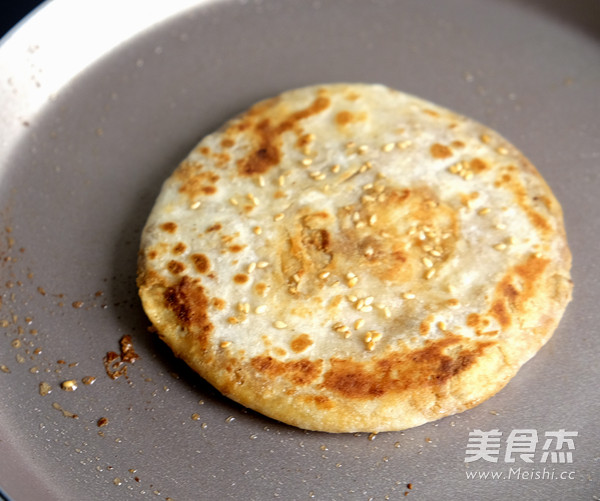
(351, 258)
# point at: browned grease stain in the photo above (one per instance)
(201, 262)
(169, 227)
(438, 150)
(397, 372)
(300, 372)
(301, 343)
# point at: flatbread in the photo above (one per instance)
(351, 258)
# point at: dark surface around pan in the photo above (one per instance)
(76, 188)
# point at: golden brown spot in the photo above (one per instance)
(201, 262)
(240, 278)
(261, 289)
(344, 118)
(397, 372)
(198, 184)
(189, 304)
(175, 267)
(500, 313)
(438, 150)
(208, 190)
(301, 343)
(227, 143)
(214, 227)
(169, 227)
(179, 248)
(300, 372)
(458, 144)
(267, 153)
(219, 303)
(424, 328)
(236, 248)
(477, 165)
(279, 194)
(432, 113)
(205, 150)
(352, 96)
(152, 254)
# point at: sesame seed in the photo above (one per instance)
(259, 310)
(485, 210)
(225, 344)
(367, 309)
(363, 168)
(281, 180)
(372, 219)
(511, 240)
(363, 149)
(501, 226)
(260, 180)
(365, 199)
(360, 304)
(485, 138)
(352, 281)
(360, 224)
(296, 278)
(233, 201)
(408, 295)
(352, 298)
(359, 323)
(356, 217)
(430, 273)
(335, 168)
(257, 230)
(262, 264)
(243, 307)
(468, 175)
(251, 267)
(441, 326)
(387, 312)
(252, 198)
(388, 147)
(350, 144)
(502, 150)
(317, 176)
(323, 275)
(195, 205)
(278, 324)
(382, 197)
(427, 262)
(278, 217)
(435, 253)
(404, 144)
(369, 300)
(500, 247)
(538, 255)
(307, 161)
(350, 275)
(368, 186)
(369, 251)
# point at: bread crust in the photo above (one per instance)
(347, 257)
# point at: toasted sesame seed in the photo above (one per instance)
(363, 168)
(260, 180)
(350, 275)
(500, 247)
(225, 344)
(281, 180)
(307, 161)
(467, 175)
(253, 199)
(430, 273)
(368, 186)
(259, 310)
(388, 147)
(323, 275)
(356, 217)
(365, 199)
(369, 300)
(501, 226)
(360, 304)
(369, 251)
(404, 144)
(427, 262)
(360, 224)
(382, 197)
(363, 149)
(318, 176)
(233, 201)
(502, 150)
(372, 219)
(387, 312)
(278, 217)
(485, 138)
(441, 326)
(352, 281)
(257, 230)
(195, 205)
(435, 252)
(278, 324)
(511, 240)
(335, 168)
(350, 144)
(368, 336)
(296, 278)
(352, 298)
(359, 323)
(262, 264)
(408, 295)
(367, 308)
(243, 307)
(538, 255)
(251, 267)
(484, 211)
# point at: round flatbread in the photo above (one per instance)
(351, 258)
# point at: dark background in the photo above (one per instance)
(13, 11)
